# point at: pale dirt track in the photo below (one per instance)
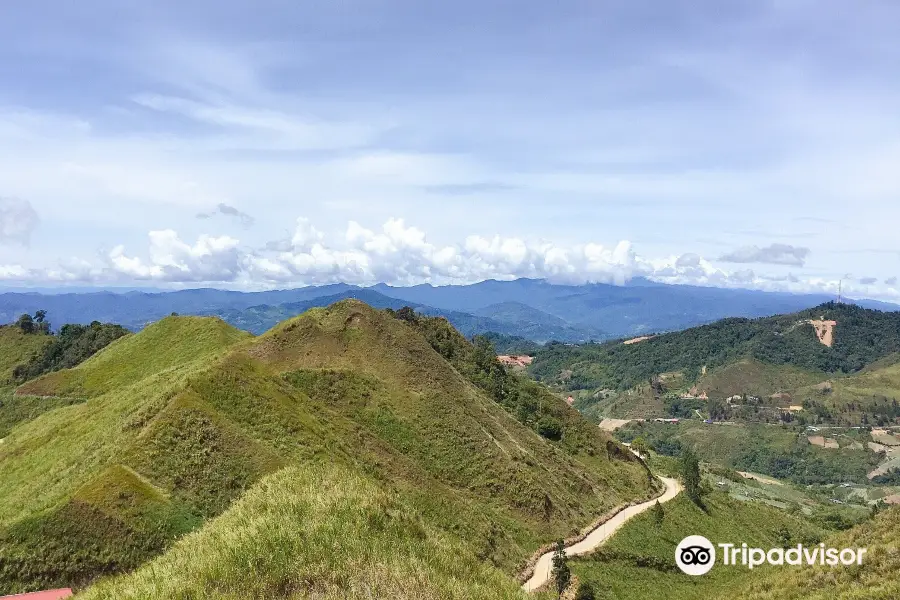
(544, 566)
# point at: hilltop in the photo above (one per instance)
(177, 423)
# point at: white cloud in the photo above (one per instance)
(774, 254)
(210, 259)
(18, 220)
(402, 254)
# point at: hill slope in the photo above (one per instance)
(875, 579)
(183, 418)
(320, 532)
(860, 337)
(637, 563)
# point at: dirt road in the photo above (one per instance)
(543, 569)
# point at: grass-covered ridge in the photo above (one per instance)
(315, 532)
(173, 343)
(186, 416)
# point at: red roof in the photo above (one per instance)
(46, 595)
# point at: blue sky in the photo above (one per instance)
(275, 143)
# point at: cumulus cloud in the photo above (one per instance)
(210, 259)
(402, 254)
(229, 211)
(18, 220)
(774, 254)
(890, 281)
(868, 280)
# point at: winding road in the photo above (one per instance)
(544, 566)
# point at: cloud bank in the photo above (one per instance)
(402, 254)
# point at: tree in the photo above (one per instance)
(658, 514)
(561, 572)
(407, 314)
(26, 324)
(585, 591)
(40, 316)
(550, 428)
(640, 446)
(690, 474)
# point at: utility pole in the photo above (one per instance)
(840, 287)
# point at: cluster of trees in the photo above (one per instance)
(878, 410)
(861, 337)
(37, 324)
(70, 346)
(512, 344)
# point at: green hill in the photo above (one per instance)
(179, 421)
(861, 337)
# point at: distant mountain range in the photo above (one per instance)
(532, 309)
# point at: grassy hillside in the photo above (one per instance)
(180, 420)
(16, 348)
(875, 579)
(174, 343)
(321, 532)
(778, 451)
(638, 562)
(870, 397)
(861, 337)
(749, 376)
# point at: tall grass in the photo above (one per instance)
(314, 532)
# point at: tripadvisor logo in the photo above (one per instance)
(696, 555)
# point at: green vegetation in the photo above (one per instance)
(777, 451)
(178, 422)
(315, 531)
(17, 347)
(876, 578)
(871, 397)
(73, 345)
(174, 344)
(637, 563)
(15, 410)
(532, 404)
(690, 475)
(861, 337)
(511, 344)
(561, 573)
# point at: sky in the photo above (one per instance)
(271, 144)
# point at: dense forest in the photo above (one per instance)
(861, 337)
